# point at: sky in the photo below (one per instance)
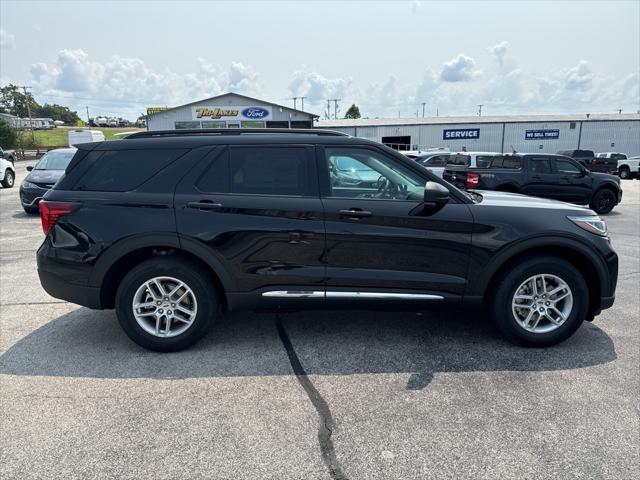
(513, 57)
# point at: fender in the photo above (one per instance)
(479, 287)
(169, 240)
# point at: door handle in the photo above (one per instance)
(205, 205)
(355, 213)
(535, 177)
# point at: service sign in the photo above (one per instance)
(461, 134)
(541, 134)
(231, 113)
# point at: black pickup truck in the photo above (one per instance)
(538, 175)
(588, 159)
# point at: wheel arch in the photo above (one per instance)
(126, 254)
(590, 265)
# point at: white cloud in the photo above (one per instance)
(316, 87)
(499, 51)
(7, 39)
(459, 69)
(416, 5)
(579, 77)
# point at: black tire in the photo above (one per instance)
(624, 173)
(510, 281)
(31, 210)
(9, 179)
(195, 277)
(603, 201)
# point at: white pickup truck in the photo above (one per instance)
(627, 167)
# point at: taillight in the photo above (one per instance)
(51, 212)
(593, 161)
(472, 180)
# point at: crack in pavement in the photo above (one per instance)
(326, 427)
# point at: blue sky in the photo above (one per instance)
(514, 57)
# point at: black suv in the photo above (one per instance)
(211, 221)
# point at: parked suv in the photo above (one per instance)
(206, 222)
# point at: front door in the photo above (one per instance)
(257, 209)
(575, 182)
(381, 237)
(542, 181)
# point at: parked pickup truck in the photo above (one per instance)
(627, 167)
(589, 160)
(548, 176)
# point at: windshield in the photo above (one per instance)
(55, 160)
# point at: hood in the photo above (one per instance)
(515, 200)
(44, 176)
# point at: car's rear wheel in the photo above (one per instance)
(540, 302)
(166, 304)
(9, 179)
(624, 172)
(603, 201)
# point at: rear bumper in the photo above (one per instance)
(59, 288)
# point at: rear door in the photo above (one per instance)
(380, 238)
(256, 208)
(541, 181)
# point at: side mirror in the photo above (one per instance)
(585, 172)
(436, 194)
(29, 168)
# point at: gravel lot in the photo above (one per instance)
(358, 395)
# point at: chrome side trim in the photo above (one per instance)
(389, 295)
(293, 294)
(380, 295)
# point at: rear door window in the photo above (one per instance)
(459, 159)
(539, 165)
(438, 161)
(124, 170)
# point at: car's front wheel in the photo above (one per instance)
(603, 201)
(540, 302)
(166, 304)
(9, 179)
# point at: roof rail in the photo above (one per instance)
(236, 131)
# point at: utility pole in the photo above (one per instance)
(295, 100)
(335, 106)
(480, 110)
(619, 111)
(26, 97)
(88, 121)
(423, 104)
(327, 114)
(302, 101)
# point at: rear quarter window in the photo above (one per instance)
(124, 170)
(459, 159)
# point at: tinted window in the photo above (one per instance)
(216, 178)
(364, 173)
(540, 165)
(618, 156)
(124, 170)
(459, 159)
(567, 166)
(55, 160)
(483, 161)
(504, 162)
(438, 161)
(270, 171)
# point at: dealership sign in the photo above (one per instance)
(542, 134)
(461, 134)
(231, 113)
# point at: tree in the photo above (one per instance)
(14, 101)
(353, 112)
(8, 135)
(58, 112)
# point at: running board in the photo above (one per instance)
(334, 294)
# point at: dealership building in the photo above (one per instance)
(229, 110)
(523, 133)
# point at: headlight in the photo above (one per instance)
(26, 184)
(593, 224)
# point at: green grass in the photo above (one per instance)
(58, 137)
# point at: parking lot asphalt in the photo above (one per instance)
(313, 395)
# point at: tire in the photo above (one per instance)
(603, 201)
(624, 173)
(31, 210)
(202, 300)
(545, 332)
(9, 179)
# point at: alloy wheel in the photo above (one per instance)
(542, 303)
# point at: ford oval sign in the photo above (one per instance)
(255, 113)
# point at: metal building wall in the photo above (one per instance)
(596, 135)
(165, 120)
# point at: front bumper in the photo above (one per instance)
(30, 197)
